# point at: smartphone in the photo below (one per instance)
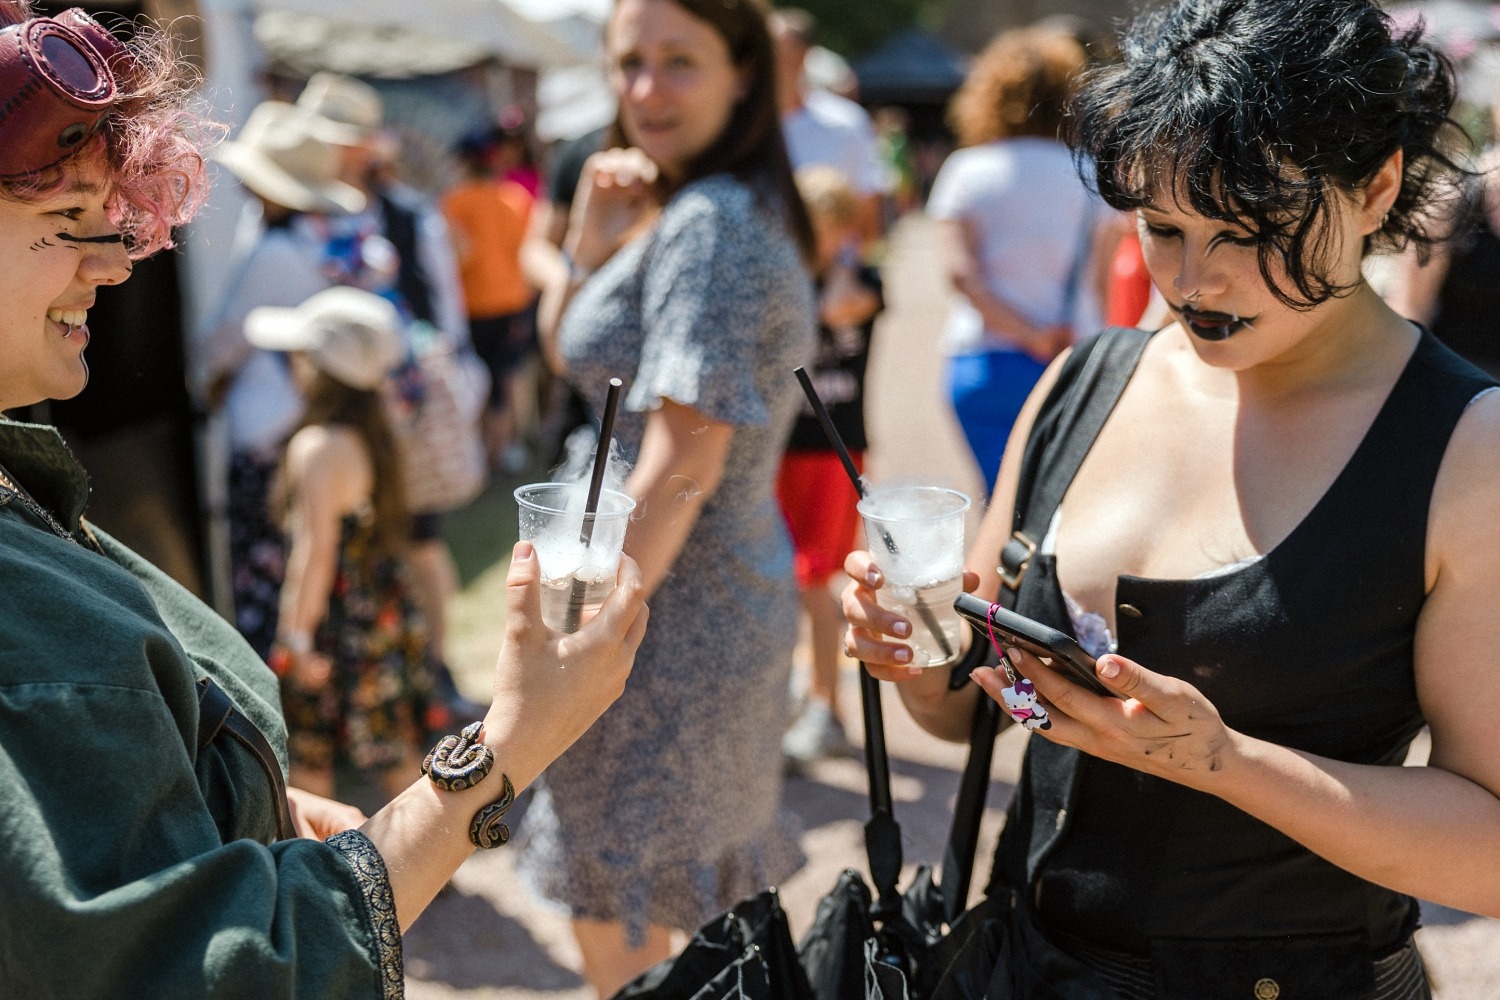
(1058, 648)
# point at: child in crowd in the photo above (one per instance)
(351, 646)
(816, 496)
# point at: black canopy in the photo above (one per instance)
(913, 67)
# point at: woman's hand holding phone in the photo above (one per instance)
(1153, 723)
(875, 635)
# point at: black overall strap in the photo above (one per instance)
(217, 713)
(1087, 388)
(1065, 430)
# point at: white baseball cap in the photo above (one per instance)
(348, 333)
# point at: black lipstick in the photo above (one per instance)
(1212, 326)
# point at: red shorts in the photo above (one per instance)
(818, 502)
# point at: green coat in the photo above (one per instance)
(131, 865)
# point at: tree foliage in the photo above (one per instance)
(853, 27)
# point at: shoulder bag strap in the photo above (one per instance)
(217, 713)
(1089, 385)
(1066, 428)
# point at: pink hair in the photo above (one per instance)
(150, 147)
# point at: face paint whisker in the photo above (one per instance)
(106, 238)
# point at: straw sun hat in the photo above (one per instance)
(348, 333)
(280, 156)
(349, 111)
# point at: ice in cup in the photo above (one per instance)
(916, 535)
(579, 553)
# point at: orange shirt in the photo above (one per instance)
(488, 219)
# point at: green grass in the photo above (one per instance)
(481, 536)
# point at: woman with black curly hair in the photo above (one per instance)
(1282, 545)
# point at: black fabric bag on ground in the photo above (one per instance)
(746, 953)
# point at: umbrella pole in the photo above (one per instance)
(882, 833)
(877, 762)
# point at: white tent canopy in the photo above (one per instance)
(547, 10)
(463, 28)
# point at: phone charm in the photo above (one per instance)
(1020, 693)
(1021, 703)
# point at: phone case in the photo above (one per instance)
(1034, 637)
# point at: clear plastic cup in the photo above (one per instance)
(916, 534)
(576, 576)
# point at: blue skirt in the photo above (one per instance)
(987, 391)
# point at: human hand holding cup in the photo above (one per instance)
(579, 553)
(916, 536)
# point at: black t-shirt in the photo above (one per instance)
(838, 373)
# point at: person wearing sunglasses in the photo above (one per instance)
(147, 847)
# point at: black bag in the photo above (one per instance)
(746, 953)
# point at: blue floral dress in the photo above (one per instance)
(669, 808)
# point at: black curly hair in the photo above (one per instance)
(1258, 111)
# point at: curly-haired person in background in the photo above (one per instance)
(1016, 229)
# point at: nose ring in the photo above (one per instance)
(1192, 299)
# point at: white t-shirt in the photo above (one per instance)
(263, 404)
(1033, 222)
(829, 130)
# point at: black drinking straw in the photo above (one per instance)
(591, 505)
(928, 619)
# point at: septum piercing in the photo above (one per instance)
(1192, 299)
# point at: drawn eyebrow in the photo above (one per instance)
(106, 238)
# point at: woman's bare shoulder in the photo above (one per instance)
(1465, 516)
(324, 442)
(326, 453)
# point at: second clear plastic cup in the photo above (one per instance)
(576, 578)
(916, 534)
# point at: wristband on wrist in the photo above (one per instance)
(285, 648)
(299, 643)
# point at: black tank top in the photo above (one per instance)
(1310, 647)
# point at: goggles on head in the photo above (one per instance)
(57, 80)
